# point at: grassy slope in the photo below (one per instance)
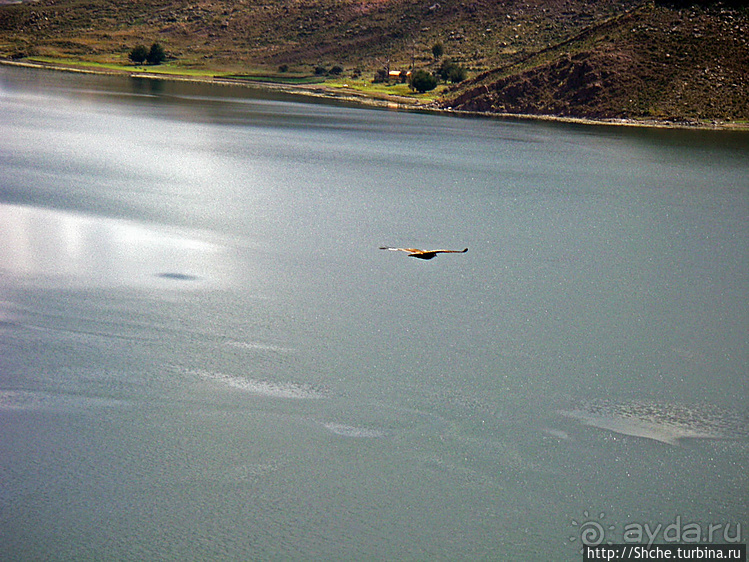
(495, 40)
(237, 34)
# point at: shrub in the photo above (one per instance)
(452, 72)
(423, 81)
(156, 55)
(456, 74)
(139, 54)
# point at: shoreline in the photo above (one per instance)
(381, 101)
(320, 91)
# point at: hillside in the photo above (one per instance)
(250, 33)
(687, 65)
(582, 58)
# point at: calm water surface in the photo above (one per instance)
(204, 356)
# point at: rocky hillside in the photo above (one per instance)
(588, 58)
(236, 34)
(685, 64)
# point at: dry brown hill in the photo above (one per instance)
(687, 64)
(587, 58)
(237, 34)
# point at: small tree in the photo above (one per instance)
(438, 50)
(452, 72)
(457, 74)
(156, 55)
(138, 54)
(423, 81)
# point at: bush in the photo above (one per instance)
(438, 50)
(456, 74)
(336, 70)
(452, 72)
(156, 55)
(380, 76)
(423, 81)
(139, 54)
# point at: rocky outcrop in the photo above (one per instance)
(577, 85)
(661, 63)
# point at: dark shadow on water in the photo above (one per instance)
(178, 276)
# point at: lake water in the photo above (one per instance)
(204, 355)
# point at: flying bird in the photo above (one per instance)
(423, 254)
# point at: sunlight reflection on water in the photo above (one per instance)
(91, 251)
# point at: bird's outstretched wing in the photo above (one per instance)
(463, 251)
(409, 250)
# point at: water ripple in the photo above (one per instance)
(276, 389)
